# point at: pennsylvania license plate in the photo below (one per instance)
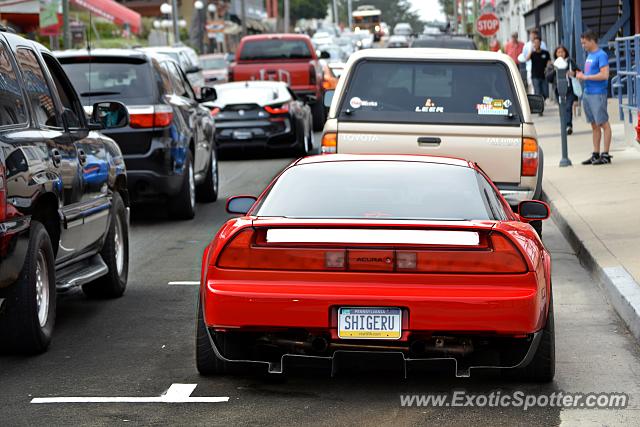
(369, 323)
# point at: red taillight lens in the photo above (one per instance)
(3, 194)
(494, 255)
(150, 117)
(529, 157)
(500, 257)
(214, 111)
(281, 109)
(312, 75)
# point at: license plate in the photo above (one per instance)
(239, 134)
(369, 323)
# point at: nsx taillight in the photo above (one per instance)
(329, 143)
(529, 157)
(493, 253)
(155, 116)
(277, 109)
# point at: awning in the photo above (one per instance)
(113, 12)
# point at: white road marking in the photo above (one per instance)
(184, 283)
(177, 393)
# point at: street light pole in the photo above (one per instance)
(66, 32)
(335, 12)
(243, 17)
(350, 11)
(287, 16)
(174, 18)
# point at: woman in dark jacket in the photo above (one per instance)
(562, 52)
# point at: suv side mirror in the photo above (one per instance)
(207, 94)
(109, 115)
(536, 103)
(532, 210)
(240, 204)
(194, 69)
(325, 55)
(328, 97)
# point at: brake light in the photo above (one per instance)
(529, 157)
(158, 116)
(214, 111)
(494, 254)
(3, 194)
(282, 109)
(329, 143)
(312, 75)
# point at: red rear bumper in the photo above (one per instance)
(263, 300)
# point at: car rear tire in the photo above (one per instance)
(207, 192)
(319, 116)
(115, 253)
(542, 368)
(206, 360)
(183, 205)
(26, 325)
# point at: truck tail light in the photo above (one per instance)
(329, 143)
(157, 116)
(214, 111)
(312, 75)
(3, 194)
(495, 254)
(529, 157)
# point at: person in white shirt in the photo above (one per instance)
(528, 47)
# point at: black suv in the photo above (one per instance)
(169, 145)
(63, 195)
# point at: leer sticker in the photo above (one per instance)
(429, 107)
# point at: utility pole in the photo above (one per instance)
(475, 13)
(335, 13)
(66, 32)
(350, 11)
(287, 16)
(174, 18)
(455, 16)
(464, 16)
(243, 17)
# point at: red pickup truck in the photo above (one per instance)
(283, 57)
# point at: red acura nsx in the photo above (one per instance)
(416, 256)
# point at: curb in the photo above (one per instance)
(623, 292)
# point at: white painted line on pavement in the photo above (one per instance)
(184, 283)
(177, 393)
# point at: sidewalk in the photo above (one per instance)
(597, 207)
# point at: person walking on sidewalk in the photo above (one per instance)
(562, 52)
(594, 99)
(528, 47)
(514, 47)
(540, 59)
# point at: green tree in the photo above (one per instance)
(393, 11)
(305, 9)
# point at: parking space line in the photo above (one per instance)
(177, 393)
(184, 283)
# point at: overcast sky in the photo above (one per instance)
(429, 9)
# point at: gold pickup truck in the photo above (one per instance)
(461, 103)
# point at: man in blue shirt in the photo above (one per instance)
(594, 98)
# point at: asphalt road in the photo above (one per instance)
(141, 344)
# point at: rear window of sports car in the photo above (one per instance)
(382, 190)
(438, 92)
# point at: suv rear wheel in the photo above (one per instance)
(30, 309)
(208, 191)
(183, 205)
(115, 253)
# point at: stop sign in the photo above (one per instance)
(488, 24)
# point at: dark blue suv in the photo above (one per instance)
(169, 146)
